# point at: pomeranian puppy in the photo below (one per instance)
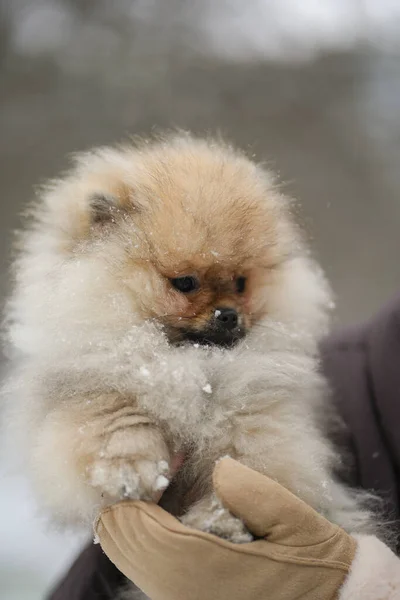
(166, 302)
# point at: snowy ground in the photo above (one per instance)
(72, 76)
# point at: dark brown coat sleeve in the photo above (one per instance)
(92, 577)
(363, 367)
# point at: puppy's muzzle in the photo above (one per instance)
(224, 329)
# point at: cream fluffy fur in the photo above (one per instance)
(374, 574)
(101, 397)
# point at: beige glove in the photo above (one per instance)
(301, 555)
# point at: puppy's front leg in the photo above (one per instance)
(99, 450)
(133, 459)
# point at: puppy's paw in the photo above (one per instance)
(132, 462)
(211, 516)
(137, 479)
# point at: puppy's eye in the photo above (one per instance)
(186, 284)
(240, 284)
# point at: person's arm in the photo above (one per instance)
(361, 366)
(92, 576)
(297, 553)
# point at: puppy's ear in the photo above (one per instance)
(104, 208)
(108, 207)
(92, 198)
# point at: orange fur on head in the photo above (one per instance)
(181, 207)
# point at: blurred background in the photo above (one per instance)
(311, 87)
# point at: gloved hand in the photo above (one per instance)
(300, 555)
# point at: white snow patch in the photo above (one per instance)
(161, 483)
(163, 466)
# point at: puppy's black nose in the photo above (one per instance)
(227, 318)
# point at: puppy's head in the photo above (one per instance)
(194, 234)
